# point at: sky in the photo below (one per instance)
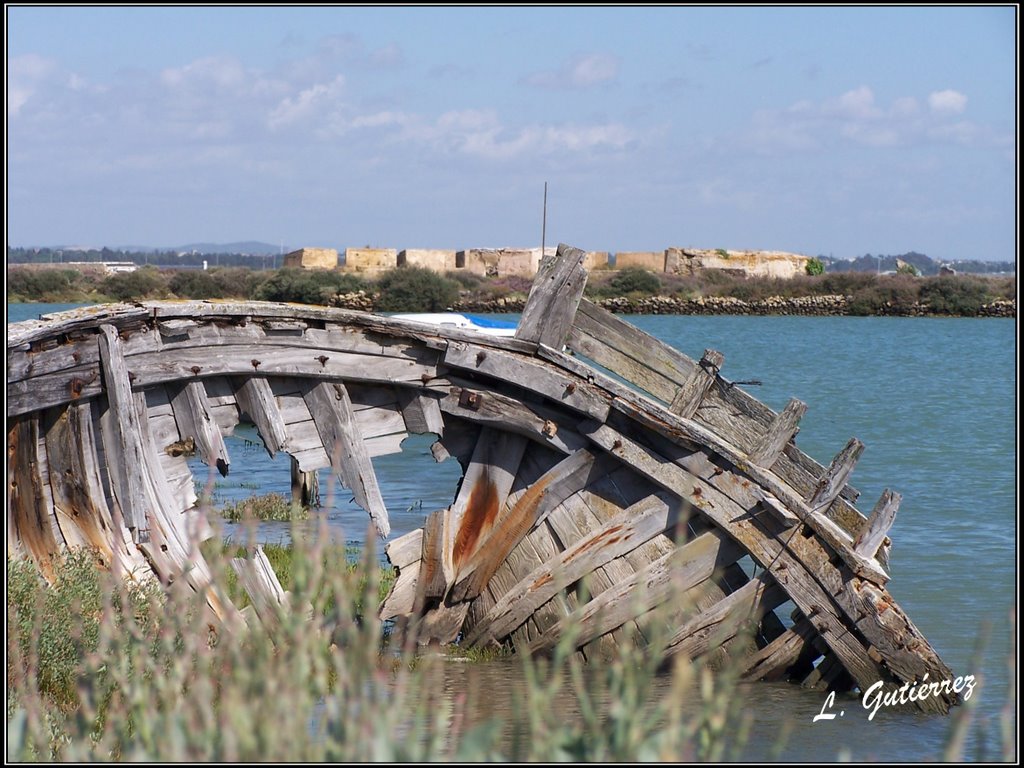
(824, 131)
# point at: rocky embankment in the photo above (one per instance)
(821, 306)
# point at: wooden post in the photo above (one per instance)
(305, 486)
(551, 306)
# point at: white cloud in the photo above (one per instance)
(25, 74)
(583, 71)
(313, 102)
(948, 102)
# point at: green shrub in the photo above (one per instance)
(632, 280)
(955, 294)
(415, 289)
(307, 286)
(888, 295)
(196, 284)
(144, 283)
(269, 506)
(468, 280)
(41, 284)
(814, 267)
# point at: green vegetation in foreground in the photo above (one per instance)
(101, 670)
(414, 289)
(267, 507)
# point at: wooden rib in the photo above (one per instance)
(481, 496)
(878, 525)
(835, 477)
(672, 574)
(122, 445)
(401, 600)
(192, 412)
(555, 294)
(738, 611)
(623, 533)
(81, 521)
(692, 392)
(255, 397)
(28, 517)
(783, 428)
(431, 583)
(331, 408)
(516, 520)
(766, 550)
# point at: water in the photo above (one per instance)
(933, 399)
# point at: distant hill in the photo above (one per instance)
(925, 264)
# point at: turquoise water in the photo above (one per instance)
(933, 399)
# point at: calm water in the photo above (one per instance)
(933, 399)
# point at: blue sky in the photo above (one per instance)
(837, 131)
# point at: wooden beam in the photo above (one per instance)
(28, 516)
(123, 448)
(555, 295)
(256, 398)
(420, 411)
(693, 390)
(331, 408)
(878, 525)
(832, 482)
(783, 428)
(258, 579)
(774, 661)
(192, 412)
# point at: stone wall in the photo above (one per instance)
(369, 259)
(689, 261)
(312, 258)
(499, 262)
(437, 260)
(653, 261)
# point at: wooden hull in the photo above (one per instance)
(588, 508)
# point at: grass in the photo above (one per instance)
(100, 670)
(266, 507)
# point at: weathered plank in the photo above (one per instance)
(331, 409)
(775, 660)
(28, 517)
(255, 397)
(625, 532)
(81, 521)
(881, 520)
(481, 495)
(694, 389)
(258, 579)
(401, 600)
(121, 430)
(192, 412)
(421, 411)
(670, 576)
(554, 296)
(836, 476)
(516, 520)
(405, 550)
(736, 613)
(489, 407)
(783, 427)
(533, 375)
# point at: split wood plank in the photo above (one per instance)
(420, 411)
(28, 517)
(192, 412)
(881, 520)
(782, 429)
(122, 444)
(255, 397)
(331, 409)
(836, 476)
(481, 496)
(81, 520)
(258, 579)
(696, 387)
(553, 299)
(567, 477)
(775, 660)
